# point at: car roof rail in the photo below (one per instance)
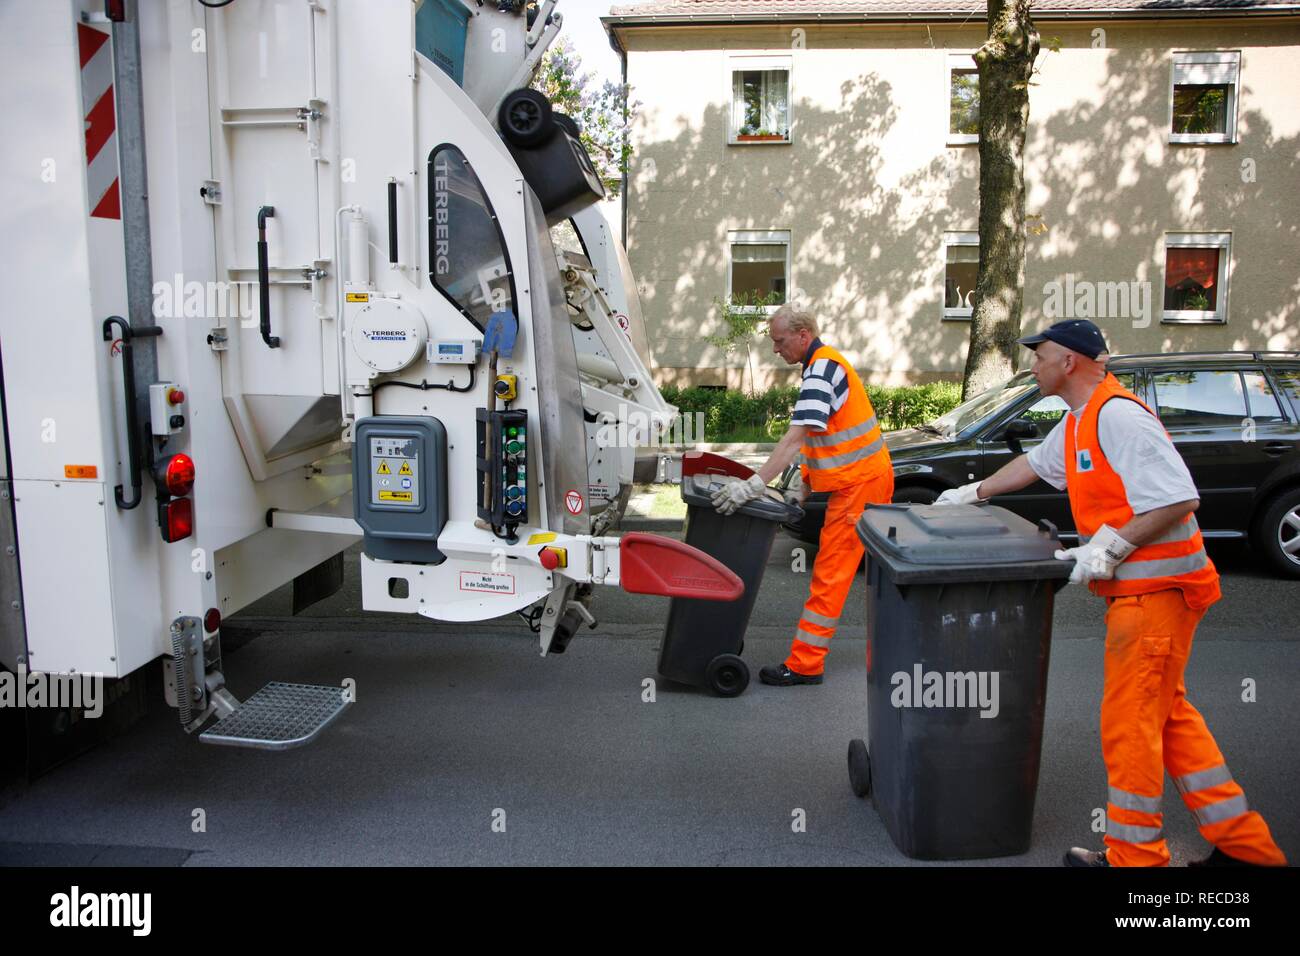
(1256, 354)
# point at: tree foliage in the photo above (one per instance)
(604, 111)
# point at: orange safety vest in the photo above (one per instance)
(1176, 559)
(851, 450)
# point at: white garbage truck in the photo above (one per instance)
(281, 280)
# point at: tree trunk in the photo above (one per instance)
(1006, 62)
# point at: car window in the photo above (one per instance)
(1288, 380)
(1128, 380)
(1199, 398)
(984, 404)
(1259, 395)
(1045, 413)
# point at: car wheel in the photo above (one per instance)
(798, 531)
(915, 495)
(1277, 533)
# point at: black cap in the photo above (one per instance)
(1078, 335)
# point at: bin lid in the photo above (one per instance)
(698, 489)
(949, 542)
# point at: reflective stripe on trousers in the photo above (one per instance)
(838, 556)
(1148, 726)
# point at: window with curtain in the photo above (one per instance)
(760, 103)
(1191, 279)
(758, 271)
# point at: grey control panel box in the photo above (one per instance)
(399, 486)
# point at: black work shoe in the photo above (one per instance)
(1218, 858)
(1078, 856)
(781, 676)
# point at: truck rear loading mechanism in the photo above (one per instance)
(288, 269)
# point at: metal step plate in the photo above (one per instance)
(279, 716)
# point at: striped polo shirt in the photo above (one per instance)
(822, 391)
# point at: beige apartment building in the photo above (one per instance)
(826, 152)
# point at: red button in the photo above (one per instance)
(176, 396)
(550, 560)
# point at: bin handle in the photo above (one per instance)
(1048, 528)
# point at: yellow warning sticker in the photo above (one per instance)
(358, 296)
(383, 468)
(541, 537)
(394, 496)
(405, 469)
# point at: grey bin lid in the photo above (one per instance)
(940, 543)
(697, 492)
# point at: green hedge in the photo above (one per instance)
(737, 416)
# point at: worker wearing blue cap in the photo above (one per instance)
(1133, 500)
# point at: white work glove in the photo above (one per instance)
(965, 495)
(738, 491)
(1098, 559)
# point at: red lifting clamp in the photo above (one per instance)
(696, 462)
(653, 564)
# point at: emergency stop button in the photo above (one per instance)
(553, 558)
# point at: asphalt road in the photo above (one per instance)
(466, 747)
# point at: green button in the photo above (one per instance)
(513, 447)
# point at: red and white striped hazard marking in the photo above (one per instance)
(103, 188)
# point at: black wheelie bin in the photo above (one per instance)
(703, 640)
(959, 629)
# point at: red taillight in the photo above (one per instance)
(175, 475)
(176, 518)
(212, 620)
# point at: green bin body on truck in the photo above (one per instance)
(440, 27)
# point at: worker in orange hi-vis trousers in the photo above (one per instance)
(1140, 548)
(844, 453)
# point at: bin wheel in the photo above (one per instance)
(525, 118)
(859, 767)
(727, 675)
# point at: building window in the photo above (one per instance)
(963, 99)
(758, 268)
(760, 99)
(1203, 98)
(961, 263)
(1196, 277)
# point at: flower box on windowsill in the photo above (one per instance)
(761, 138)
